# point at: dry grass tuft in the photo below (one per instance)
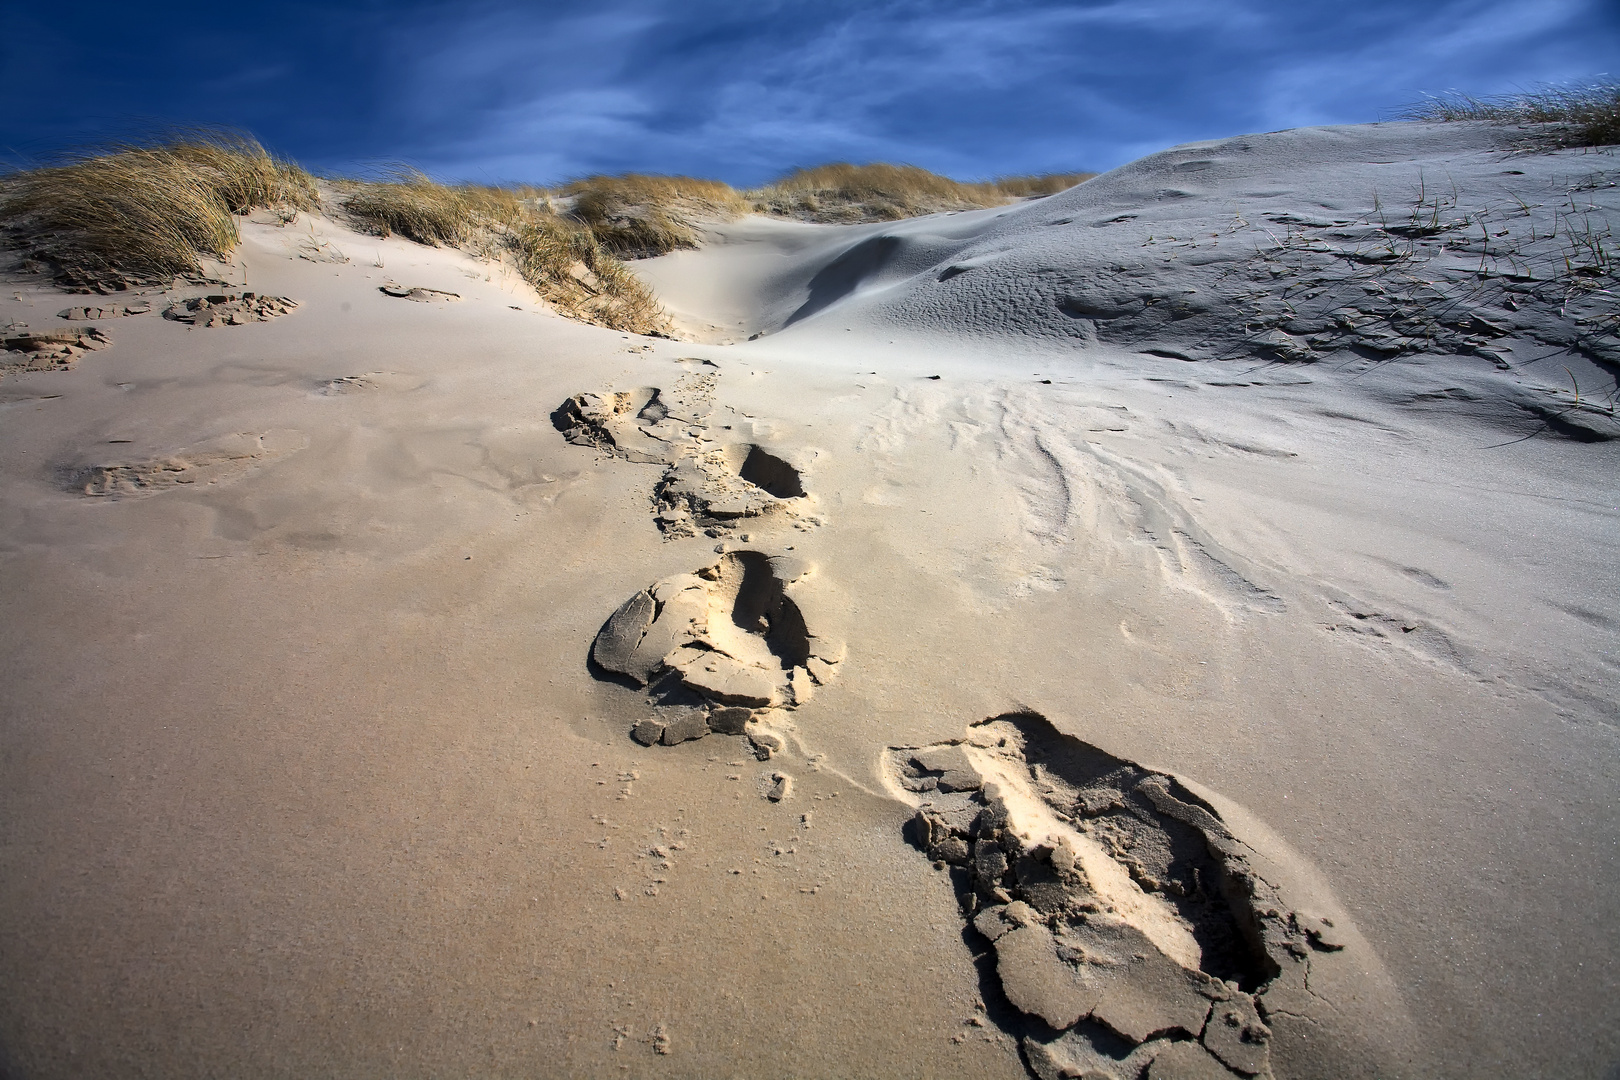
(560, 257)
(421, 210)
(1024, 187)
(145, 213)
(842, 193)
(636, 216)
(577, 275)
(1586, 115)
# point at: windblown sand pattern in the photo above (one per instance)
(456, 688)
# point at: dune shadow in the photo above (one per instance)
(844, 275)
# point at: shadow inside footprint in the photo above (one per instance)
(768, 472)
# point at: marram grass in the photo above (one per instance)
(146, 213)
(1584, 115)
(841, 192)
(636, 215)
(561, 257)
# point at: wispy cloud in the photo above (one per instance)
(510, 90)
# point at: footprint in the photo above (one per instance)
(418, 293)
(217, 461)
(710, 483)
(1130, 927)
(713, 490)
(632, 424)
(372, 380)
(52, 350)
(229, 309)
(719, 649)
(1364, 623)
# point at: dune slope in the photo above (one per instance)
(1166, 628)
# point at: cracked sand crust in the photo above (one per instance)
(229, 309)
(719, 648)
(51, 350)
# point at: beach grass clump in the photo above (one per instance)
(1027, 187)
(419, 209)
(142, 214)
(575, 273)
(844, 192)
(637, 216)
(1583, 115)
(841, 192)
(560, 256)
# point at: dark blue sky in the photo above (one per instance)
(742, 91)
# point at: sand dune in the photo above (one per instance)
(1167, 629)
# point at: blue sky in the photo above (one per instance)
(743, 91)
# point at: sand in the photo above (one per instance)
(1168, 628)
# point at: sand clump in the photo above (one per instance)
(92, 312)
(49, 350)
(229, 309)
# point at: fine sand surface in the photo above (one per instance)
(1171, 628)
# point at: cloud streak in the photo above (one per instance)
(544, 91)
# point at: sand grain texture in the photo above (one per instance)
(424, 688)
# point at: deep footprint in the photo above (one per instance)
(719, 649)
(1130, 929)
(716, 489)
(635, 425)
(709, 484)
